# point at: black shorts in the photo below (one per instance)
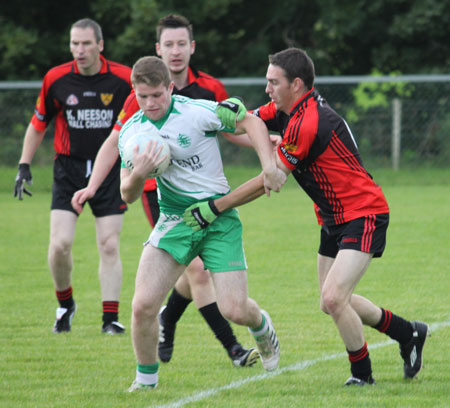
(151, 206)
(365, 234)
(71, 175)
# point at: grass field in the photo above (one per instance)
(87, 369)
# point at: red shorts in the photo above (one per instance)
(365, 234)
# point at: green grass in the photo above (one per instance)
(87, 369)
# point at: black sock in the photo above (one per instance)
(65, 298)
(176, 305)
(218, 324)
(110, 311)
(395, 327)
(361, 366)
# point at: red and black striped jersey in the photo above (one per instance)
(85, 108)
(201, 86)
(319, 148)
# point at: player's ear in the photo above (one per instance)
(101, 45)
(158, 49)
(192, 46)
(298, 84)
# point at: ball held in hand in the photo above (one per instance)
(142, 139)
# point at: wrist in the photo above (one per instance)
(270, 169)
(213, 207)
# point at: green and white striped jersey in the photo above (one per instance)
(195, 173)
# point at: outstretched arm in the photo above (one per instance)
(243, 140)
(233, 114)
(259, 136)
(202, 214)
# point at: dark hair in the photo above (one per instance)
(296, 64)
(89, 23)
(174, 21)
(151, 71)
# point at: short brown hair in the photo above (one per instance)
(296, 64)
(151, 71)
(89, 23)
(174, 21)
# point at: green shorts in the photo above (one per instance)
(219, 245)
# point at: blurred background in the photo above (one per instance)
(383, 65)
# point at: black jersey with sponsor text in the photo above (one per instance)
(85, 108)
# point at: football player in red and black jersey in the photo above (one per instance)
(175, 45)
(319, 150)
(84, 97)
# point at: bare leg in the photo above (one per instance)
(232, 298)
(369, 313)
(200, 283)
(156, 275)
(62, 233)
(110, 268)
(336, 295)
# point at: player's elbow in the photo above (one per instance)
(128, 196)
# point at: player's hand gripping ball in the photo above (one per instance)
(142, 139)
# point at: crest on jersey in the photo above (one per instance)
(290, 147)
(121, 115)
(72, 100)
(183, 140)
(106, 98)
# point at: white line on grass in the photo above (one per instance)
(293, 367)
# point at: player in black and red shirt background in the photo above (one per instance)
(84, 97)
(319, 150)
(175, 45)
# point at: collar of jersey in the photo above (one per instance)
(160, 122)
(300, 101)
(103, 68)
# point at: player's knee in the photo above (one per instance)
(323, 308)
(109, 246)
(233, 312)
(59, 248)
(142, 310)
(197, 273)
(331, 302)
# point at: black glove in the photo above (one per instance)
(23, 175)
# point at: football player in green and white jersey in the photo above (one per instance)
(195, 174)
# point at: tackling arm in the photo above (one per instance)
(259, 136)
(202, 214)
(247, 192)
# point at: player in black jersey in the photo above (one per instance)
(319, 150)
(85, 97)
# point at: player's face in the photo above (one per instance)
(86, 50)
(279, 88)
(153, 100)
(175, 48)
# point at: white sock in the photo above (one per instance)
(147, 379)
